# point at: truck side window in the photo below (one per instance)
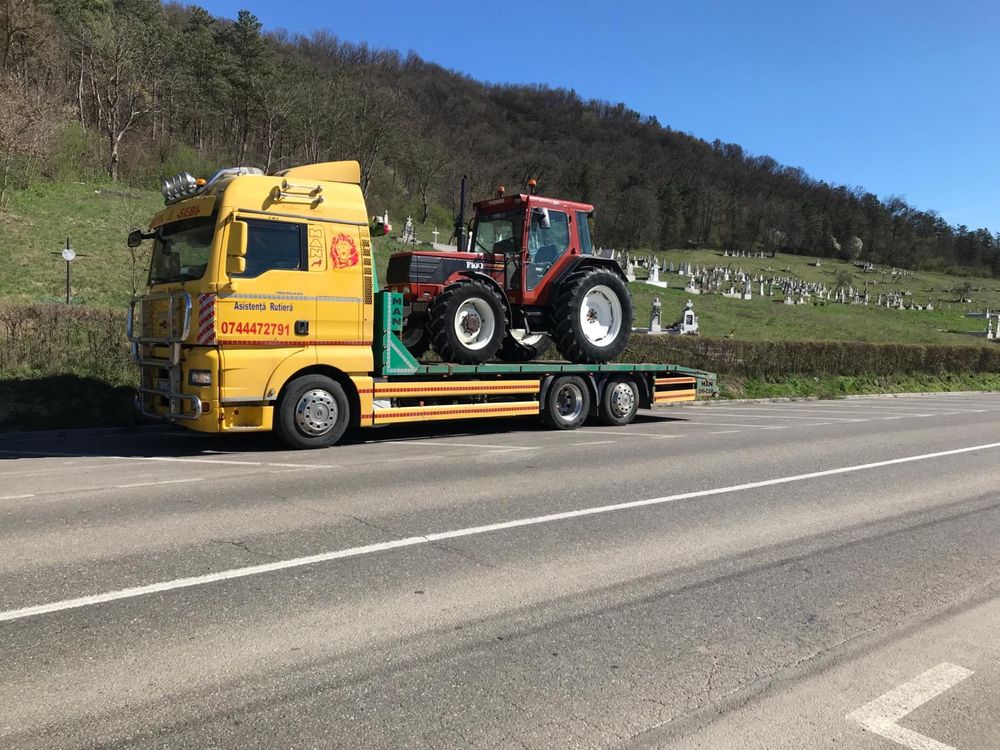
(274, 245)
(583, 229)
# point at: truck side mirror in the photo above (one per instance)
(236, 250)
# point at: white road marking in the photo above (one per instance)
(758, 426)
(628, 433)
(177, 459)
(435, 443)
(778, 415)
(881, 715)
(431, 538)
(724, 432)
(15, 497)
(162, 481)
(595, 442)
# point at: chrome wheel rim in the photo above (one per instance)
(569, 402)
(475, 323)
(316, 412)
(601, 316)
(621, 400)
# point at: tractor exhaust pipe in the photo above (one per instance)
(460, 219)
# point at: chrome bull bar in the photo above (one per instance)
(179, 305)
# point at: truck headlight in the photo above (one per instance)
(200, 377)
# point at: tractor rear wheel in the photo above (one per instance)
(468, 322)
(524, 349)
(592, 316)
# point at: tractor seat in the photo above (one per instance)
(546, 255)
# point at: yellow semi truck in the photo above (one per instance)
(263, 312)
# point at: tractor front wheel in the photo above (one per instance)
(524, 349)
(592, 316)
(468, 322)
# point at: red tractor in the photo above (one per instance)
(528, 280)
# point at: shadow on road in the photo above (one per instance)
(178, 442)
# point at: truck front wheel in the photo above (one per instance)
(313, 412)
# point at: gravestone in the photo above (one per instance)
(689, 321)
(409, 233)
(654, 316)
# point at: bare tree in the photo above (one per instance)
(26, 119)
(123, 66)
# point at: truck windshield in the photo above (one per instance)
(499, 233)
(182, 250)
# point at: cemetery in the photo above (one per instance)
(754, 296)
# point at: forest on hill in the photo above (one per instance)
(135, 90)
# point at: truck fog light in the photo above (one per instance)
(200, 377)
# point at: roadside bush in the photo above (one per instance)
(781, 359)
(46, 339)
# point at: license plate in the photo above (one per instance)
(163, 385)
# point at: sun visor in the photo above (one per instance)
(330, 171)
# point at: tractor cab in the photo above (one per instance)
(533, 238)
(527, 279)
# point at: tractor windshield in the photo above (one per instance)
(499, 233)
(182, 250)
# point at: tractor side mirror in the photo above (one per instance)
(543, 217)
(236, 251)
(135, 238)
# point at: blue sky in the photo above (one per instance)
(901, 98)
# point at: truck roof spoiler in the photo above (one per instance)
(329, 171)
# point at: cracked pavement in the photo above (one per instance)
(757, 617)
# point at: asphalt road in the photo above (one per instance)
(793, 575)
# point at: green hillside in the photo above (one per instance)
(97, 218)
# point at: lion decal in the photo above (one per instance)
(343, 252)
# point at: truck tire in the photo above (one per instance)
(313, 412)
(468, 323)
(527, 349)
(567, 403)
(592, 316)
(619, 402)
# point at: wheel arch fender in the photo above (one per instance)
(583, 262)
(338, 376)
(489, 281)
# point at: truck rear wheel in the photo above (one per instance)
(567, 403)
(467, 323)
(619, 402)
(313, 412)
(592, 316)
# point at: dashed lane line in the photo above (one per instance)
(432, 538)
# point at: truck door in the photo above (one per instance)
(265, 314)
(337, 268)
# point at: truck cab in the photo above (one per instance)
(253, 278)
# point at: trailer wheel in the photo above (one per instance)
(567, 403)
(592, 316)
(619, 402)
(467, 323)
(313, 412)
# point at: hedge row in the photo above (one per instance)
(59, 339)
(42, 339)
(776, 359)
